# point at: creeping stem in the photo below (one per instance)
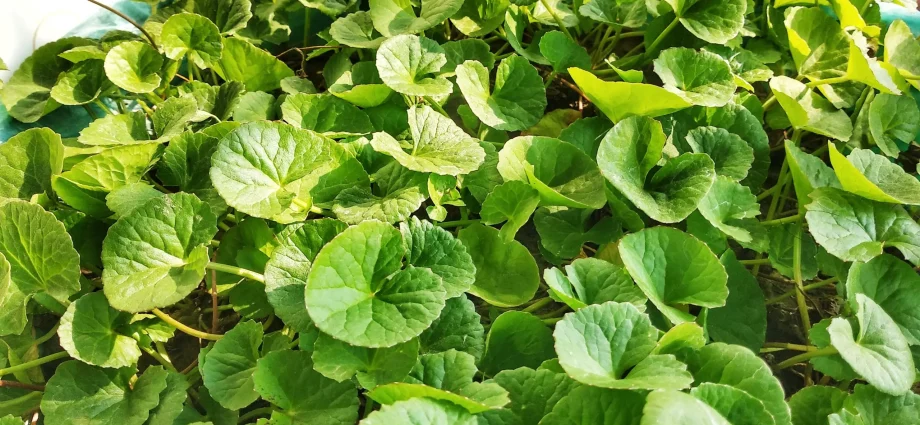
(37, 362)
(182, 327)
(248, 274)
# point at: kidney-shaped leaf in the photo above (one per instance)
(700, 77)
(809, 111)
(393, 17)
(28, 160)
(894, 285)
(134, 66)
(227, 368)
(506, 273)
(517, 100)
(437, 249)
(664, 406)
(325, 114)
(257, 69)
(591, 281)
(714, 21)
(619, 100)
(873, 176)
(193, 36)
(95, 333)
(409, 64)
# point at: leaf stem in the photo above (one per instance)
(790, 293)
(790, 346)
(23, 385)
(458, 223)
(241, 272)
(257, 413)
(664, 33)
(791, 219)
(797, 276)
(755, 262)
(183, 328)
(537, 305)
(551, 321)
(435, 105)
(827, 351)
(47, 336)
(825, 81)
(34, 363)
(767, 104)
(131, 21)
(558, 20)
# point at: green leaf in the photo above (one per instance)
(516, 101)
(394, 305)
(506, 273)
(87, 184)
(172, 400)
(563, 52)
(394, 17)
(81, 84)
(228, 368)
(892, 284)
(743, 319)
(563, 232)
(373, 366)
(876, 407)
(437, 146)
(457, 328)
(361, 86)
(480, 17)
(893, 119)
(192, 36)
(590, 281)
(713, 21)
(156, 255)
(514, 202)
(737, 406)
(902, 48)
(449, 370)
(396, 392)
(874, 177)
(460, 51)
(811, 405)
(631, 150)
(114, 130)
(28, 160)
(134, 66)
(516, 339)
(229, 15)
(534, 393)
(731, 208)
(39, 250)
(287, 380)
(809, 111)
(438, 250)
(27, 94)
(832, 365)
(409, 64)
(13, 303)
(808, 173)
(95, 333)
(820, 50)
(863, 67)
(255, 106)
(564, 175)
(431, 412)
(598, 344)
(880, 352)
(278, 172)
(745, 65)
(80, 393)
(731, 155)
(356, 30)
(619, 100)
(740, 368)
(619, 13)
(325, 114)
(129, 197)
(397, 193)
(700, 77)
(257, 69)
(186, 164)
(591, 405)
(662, 407)
(673, 268)
(515, 26)
(853, 228)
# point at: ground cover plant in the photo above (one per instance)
(493, 212)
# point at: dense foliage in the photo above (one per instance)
(494, 212)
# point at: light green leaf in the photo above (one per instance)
(731, 155)
(394, 305)
(516, 339)
(737, 406)
(437, 146)
(257, 69)
(457, 328)
(114, 130)
(534, 393)
(438, 250)
(731, 208)
(902, 49)
(397, 193)
(809, 111)
(373, 366)
(874, 177)
(893, 119)
(394, 17)
(81, 84)
(156, 255)
(506, 272)
(449, 370)
(356, 30)
(740, 368)
(392, 393)
(713, 21)
(745, 65)
(820, 50)
(129, 197)
(478, 18)
(811, 405)
(544, 11)
(409, 64)
(514, 202)
(325, 114)
(429, 411)
(663, 407)
(28, 160)
(563, 52)
(84, 394)
(229, 15)
(255, 106)
(516, 101)
(134, 66)
(893, 285)
(673, 268)
(192, 36)
(631, 150)
(876, 407)
(590, 281)
(808, 173)
(228, 368)
(329, 7)
(563, 174)
(743, 319)
(880, 352)
(700, 77)
(864, 68)
(275, 171)
(853, 228)
(287, 380)
(619, 100)
(95, 333)
(591, 405)
(361, 86)
(39, 250)
(13, 303)
(619, 13)
(460, 51)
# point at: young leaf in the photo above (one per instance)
(664, 406)
(394, 17)
(711, 20)
(478, 18)
(495, 396)
(156, 255)
(700, 77)
(397, 193)
(620, 13)
(409, 64)
(356, 30)
(874, 177)
(808, 173)
(902, 49)
(820, 50)
(134, 66)
(81, 84)
(434, 413)
(563, 53)
(516, 101)
(229, 15)
(192, 36)
(619, 100)
(590, 281)
(731, 208)
(731, 155)
(809, 111)
(506, 273)
(28, 160)
(514, 202)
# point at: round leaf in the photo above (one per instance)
(97, 334)
(517, 100)
(191, 35)
(406, 64)
(701, 77)
(506, 273)
(227, 368)
(134, 66)
(591, 281)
